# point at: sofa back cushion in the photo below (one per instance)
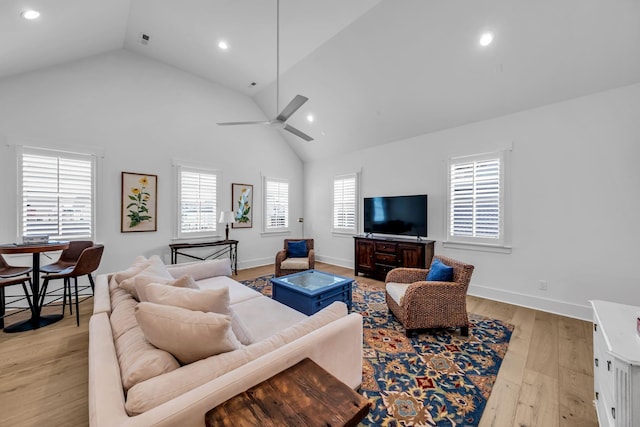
(138, 359)
(202, 270)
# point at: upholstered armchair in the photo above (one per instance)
(286, 264)
(419, 304)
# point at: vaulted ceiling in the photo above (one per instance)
(375, 71)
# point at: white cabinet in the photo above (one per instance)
(616, 364)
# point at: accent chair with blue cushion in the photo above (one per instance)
(297, 255)
(430, 298)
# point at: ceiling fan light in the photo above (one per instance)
(310, 118)
(30, 14)
(486, 38)
(223, 45)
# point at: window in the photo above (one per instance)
(276, 205)
(345, 202)
(57, 194)
(198, 202)
(476, 202)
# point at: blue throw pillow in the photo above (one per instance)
(440, 272)
(297, 249)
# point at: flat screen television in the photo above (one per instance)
(399, 215)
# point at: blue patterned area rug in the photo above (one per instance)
(437, 378)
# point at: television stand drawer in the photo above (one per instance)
(389, 248)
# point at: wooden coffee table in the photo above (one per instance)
(303, 395)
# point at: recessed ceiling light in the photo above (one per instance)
(486, 38)
(310, 118)
(30, 14)
(223, 45)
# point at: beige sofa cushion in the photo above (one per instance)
(202, 270)
(139, 264)
(155, 269)
(295, 264)
(139, 360)
(211, 300)
(188, 335)
(137, 285)
(155, 391)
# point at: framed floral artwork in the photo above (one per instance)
(139, 202)
(242, 205)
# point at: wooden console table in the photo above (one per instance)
(376, 256)
(303, 395)
(223, 247)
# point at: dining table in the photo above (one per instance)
(37, 320)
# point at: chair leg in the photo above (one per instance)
(2, 308)
(26, 294)
(93, 285)
(68, 284)
(43, 292)
(75, 281)
(464, 331)
(64, 295)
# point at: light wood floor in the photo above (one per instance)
(546, 378)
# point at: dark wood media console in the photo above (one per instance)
(376, 256)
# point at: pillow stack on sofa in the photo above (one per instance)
(167, 327)
(173, 334)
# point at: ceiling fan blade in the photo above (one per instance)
(296, 132)
(243, 123)
(292, 107)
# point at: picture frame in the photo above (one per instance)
(242, 205)
(139, 202)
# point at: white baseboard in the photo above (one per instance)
(335, 261)
(254, 263)
(562, 308)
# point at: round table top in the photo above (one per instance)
(14, 248)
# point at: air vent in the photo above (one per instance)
(144, 39)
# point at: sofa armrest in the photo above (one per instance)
(312, 258)
(101, 295)
(201, 269)
(106, 396)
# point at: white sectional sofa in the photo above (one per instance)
(272, 337)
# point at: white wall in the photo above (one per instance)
(575, 199)
(141, 114)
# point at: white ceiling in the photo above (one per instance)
(375, 71)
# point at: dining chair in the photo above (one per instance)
(7, 270)
(9, 281)
(69, 258)
(88, 262)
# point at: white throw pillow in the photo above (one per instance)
(188, 335)
(210, 300)
(154, 268)
(141, 281)
(139, 264)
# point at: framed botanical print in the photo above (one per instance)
(242, 205)
(139, 202)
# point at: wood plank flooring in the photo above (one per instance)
(546, 378)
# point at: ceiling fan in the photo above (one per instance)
(297, 102)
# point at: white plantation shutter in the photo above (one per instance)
(198, 202)
(57, 194)
(476, 191)
(276, 204)
(345, 199)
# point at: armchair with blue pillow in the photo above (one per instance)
(297, 255)
(430, 298)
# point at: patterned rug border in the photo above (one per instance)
(437, 378)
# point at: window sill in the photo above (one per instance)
(501, 249)
(337, 233)
(275, 233)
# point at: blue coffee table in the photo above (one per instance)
(310, 291)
